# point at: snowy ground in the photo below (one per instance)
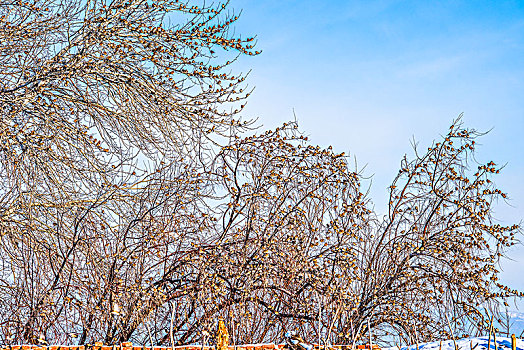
(480, 343)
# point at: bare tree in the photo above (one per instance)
(110, 114)
(293, 209)
(133, 201)
(436, 251)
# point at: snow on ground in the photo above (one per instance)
(480, 343)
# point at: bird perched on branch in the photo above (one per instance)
(41, 339)
(295, 342)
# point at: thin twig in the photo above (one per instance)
(369, 331)
(355, 337)
(171, 326)
(452, 335)
(489, 336)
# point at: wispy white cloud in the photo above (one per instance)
(434, 67)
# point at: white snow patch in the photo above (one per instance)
(479, 343)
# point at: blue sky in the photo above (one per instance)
(368, 76)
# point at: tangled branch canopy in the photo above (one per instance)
(134, 199)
